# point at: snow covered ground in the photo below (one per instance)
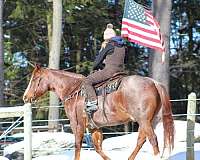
(3, 158)
(117, 148)
(44, 143)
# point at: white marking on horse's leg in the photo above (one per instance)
(157, 157)
(27, 89)
(166, 153)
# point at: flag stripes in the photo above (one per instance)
(139, 26)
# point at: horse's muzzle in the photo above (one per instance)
(27, 100)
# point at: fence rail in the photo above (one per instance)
(27, 113)
(191, 109)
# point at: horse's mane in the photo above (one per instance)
(66, 73)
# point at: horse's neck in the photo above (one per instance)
(64, 84)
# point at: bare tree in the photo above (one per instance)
(54, 59)
(159, 71)
(1, 55)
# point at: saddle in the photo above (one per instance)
(104, 88)
(109, 85)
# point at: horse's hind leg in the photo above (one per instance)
(140, 141)
(97, 138)
(152, 139)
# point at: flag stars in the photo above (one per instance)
(135, 12)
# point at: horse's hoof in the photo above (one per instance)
(157, 157)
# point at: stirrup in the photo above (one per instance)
(91, 106)
(91, 103)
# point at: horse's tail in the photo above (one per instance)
(168, 122)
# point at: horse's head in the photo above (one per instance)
(37, 85)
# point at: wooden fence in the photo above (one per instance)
(27, 113)
(19, 111)
(191, 111)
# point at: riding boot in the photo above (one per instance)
(91, 107)
(91, 98)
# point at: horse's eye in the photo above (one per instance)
(35, 78)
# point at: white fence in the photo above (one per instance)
(26, 112)
(191, 110)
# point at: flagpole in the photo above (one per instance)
(125, 5)
(163, 57)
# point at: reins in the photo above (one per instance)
(74, 92)
(34, 95)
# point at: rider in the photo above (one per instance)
(112, 54)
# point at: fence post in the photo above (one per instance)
(191, 110)
(27, 132)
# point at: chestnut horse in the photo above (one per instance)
(137, 99)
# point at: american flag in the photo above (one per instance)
(139, 26)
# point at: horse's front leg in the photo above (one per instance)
(78, 131)
(97, 138)
(78, 141)
(77, 123)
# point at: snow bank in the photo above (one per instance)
(180, 131)
(117, 148)
(179, 154)
(128, 143)
(3, 158)
(45, 143)
(130, 140)
(69, 155)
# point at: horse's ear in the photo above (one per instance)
(37, 66)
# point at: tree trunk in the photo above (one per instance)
(49, 26)
(190, 31)
(54, 59)
(159, 71)
(78, 61)
(1, 55)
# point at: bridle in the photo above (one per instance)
(35, 91)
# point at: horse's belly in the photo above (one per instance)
(110, 119)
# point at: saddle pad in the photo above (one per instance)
(108, 87)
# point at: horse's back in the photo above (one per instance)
(137, 83)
